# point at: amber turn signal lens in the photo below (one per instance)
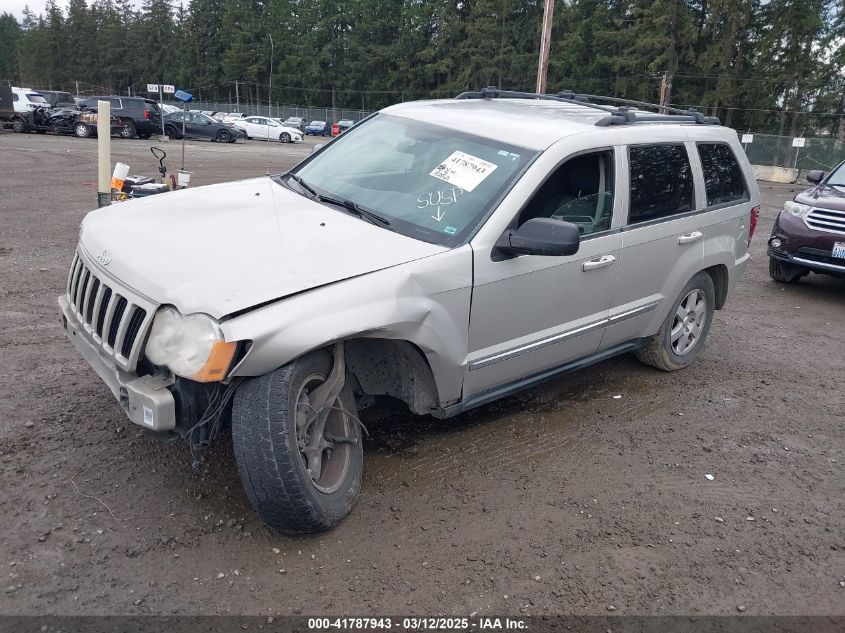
(218, 362)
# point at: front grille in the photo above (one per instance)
(826, 220)
(111, 315)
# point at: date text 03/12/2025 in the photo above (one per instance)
(418, 624)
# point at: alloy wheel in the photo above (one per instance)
(689, 322)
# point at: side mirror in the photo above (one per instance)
(317, 147)
(541, 236)
(815, 176)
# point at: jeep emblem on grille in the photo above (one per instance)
(103, 258)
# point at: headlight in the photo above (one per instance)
(796, 208)
(190, 346)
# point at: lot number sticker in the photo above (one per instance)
(463, 170)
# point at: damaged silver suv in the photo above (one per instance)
(445, 253)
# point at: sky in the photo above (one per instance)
(15, 7)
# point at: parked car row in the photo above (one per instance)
(139, 117)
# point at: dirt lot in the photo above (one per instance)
(561, 500)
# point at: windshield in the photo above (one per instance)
(837, 177)
(430, 182)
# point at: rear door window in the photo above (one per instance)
(661, 182)
(724, 182)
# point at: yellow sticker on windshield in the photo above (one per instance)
(463, 170)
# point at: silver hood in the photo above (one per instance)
(223, 248)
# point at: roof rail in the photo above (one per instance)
(618, 114)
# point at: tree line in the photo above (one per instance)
(763, 65)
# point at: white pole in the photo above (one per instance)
(161, 111)
(103, 153)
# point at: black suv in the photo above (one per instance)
(58, 98)
(140, 117)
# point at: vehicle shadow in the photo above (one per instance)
(815, 288)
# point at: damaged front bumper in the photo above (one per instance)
(146, 400)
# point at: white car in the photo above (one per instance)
(263, 127)
(27, 100)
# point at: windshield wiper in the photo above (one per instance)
(298, 179)
(347, 204)
(355, 209)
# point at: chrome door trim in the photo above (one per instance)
(537, 345)
(630, 314)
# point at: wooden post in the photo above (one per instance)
(665, 90)
(545, 44)
(103, 153)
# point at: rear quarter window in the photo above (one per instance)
(724, 181)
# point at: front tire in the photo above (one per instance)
(223, 136)
(285, 137)
(81, 130)
(271, 433)
(681, 337)
(784, 273)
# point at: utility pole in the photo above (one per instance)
(77, 89)
(545, 44)
(665, 90)
(237, 98)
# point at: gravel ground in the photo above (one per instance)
(563, 499)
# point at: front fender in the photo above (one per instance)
(425, 302)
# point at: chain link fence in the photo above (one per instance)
(777, 151)
(283, 111)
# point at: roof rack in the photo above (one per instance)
(618, 114)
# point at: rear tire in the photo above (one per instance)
(127, 130)
(784, 273)
(81, 130)
(18, 126)
(681, 337)
(267, 445)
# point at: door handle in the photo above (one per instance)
(598, 262)
(689, 238)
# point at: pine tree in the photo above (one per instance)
(10, 35)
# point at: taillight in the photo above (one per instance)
(147, 115)
(752, 222)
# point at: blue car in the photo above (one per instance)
(318, 128)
